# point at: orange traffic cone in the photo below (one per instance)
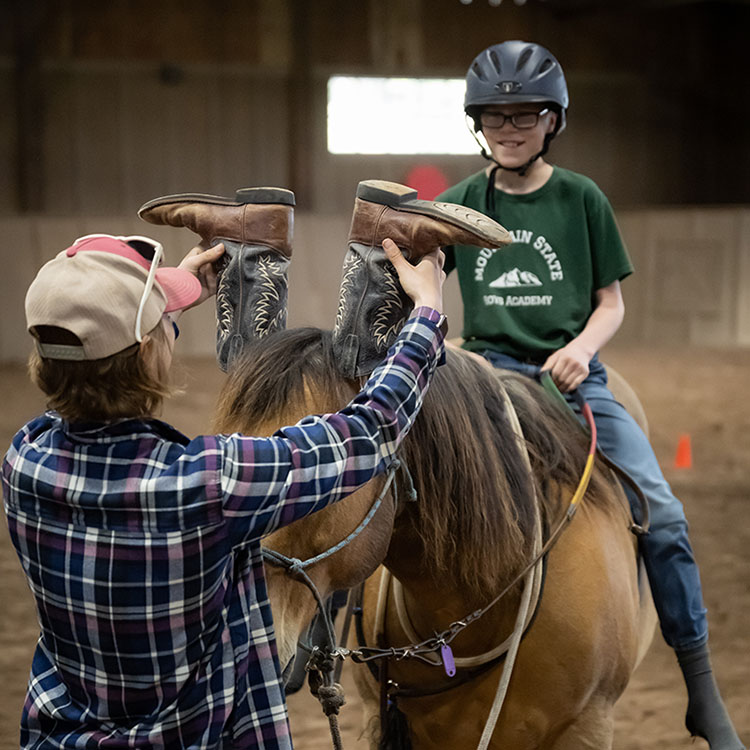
(684, 456)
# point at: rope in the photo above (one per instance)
(463, 662)
(294, 565)
(533, 580)
(333, 725)
(434, 643)
(321, 662)
(531, 575)
(510, 661)
(528, 591)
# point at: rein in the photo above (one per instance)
(445, 637)
(321, 662)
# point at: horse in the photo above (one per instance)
(484, 490)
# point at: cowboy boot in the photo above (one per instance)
(256, 229)
(372, 306)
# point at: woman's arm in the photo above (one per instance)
(270, 482)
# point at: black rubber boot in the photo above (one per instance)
(707, 716)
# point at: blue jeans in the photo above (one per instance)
(668, 557)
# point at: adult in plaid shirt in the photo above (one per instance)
(141, 546)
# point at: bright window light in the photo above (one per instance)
(397, 116)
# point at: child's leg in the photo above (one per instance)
(668, 556)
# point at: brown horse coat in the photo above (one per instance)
(468, 535)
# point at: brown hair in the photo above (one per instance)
(130, 383)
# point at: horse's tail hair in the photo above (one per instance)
(395, 730)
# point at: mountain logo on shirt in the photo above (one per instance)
(514, 279)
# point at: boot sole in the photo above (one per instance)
(255, 195)
(403, 198)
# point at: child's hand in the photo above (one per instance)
(423, 282)
(568, 366)
(200, 262)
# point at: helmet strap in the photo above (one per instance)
(522, 170)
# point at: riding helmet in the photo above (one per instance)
(512, 72)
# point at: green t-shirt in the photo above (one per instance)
(535, 295)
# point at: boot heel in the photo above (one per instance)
(385, 193)
(265, 195)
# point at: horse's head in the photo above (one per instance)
(281, 379)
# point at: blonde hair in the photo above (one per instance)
(131, 383)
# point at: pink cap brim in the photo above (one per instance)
(112, 245)
(181, 288)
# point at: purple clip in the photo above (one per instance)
(448, 663)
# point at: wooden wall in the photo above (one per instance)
(116, 136)
(691, 286)
(106, 105)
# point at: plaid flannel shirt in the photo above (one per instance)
(142, 550)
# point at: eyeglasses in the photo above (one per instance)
(151, 251)
(519, 120)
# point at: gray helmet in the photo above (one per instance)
(515, 72)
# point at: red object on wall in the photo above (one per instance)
(428, 180)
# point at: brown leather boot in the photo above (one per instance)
(372, 305)
(256, 229)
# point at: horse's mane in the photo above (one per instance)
(477, 515)
(280, 379)
(476, 498)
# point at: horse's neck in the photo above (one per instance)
(430, 603)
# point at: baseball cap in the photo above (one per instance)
(108, 292)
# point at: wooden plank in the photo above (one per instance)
(320, 244)
(97, 129)
(743, 278)
(59, 164)
(17, 234)
(28, 243)
(9, 198)
(632, 227)
(144, 140)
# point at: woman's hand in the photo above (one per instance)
(200, 262)
(422, 282)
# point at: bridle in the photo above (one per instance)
(326, 663)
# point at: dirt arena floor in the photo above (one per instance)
(700, 393)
